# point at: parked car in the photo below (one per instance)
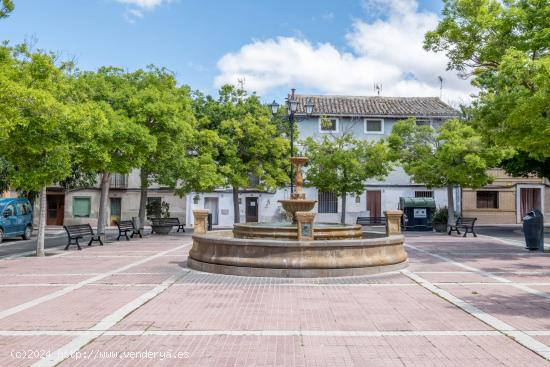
(16, 218)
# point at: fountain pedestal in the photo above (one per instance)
(201, 221)
(304, 221)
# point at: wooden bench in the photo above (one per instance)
(173, 222)
(125, 227)
(467, 224)
(369, 221)
(79, 231)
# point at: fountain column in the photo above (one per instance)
(201, 221)
(393, 222)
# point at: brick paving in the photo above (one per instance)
(461, 302)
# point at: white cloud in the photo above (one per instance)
(386, 51)
(136, 8)
(143, 4)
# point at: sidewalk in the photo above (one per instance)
(461, 302)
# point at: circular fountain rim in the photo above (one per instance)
(217, 236)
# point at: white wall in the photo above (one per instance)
(270, 210)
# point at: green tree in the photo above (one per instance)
(6, 7)
(34, 123)
(179, 159)
(251, 144)
(108, 141)
(341, 164)
(453, 155)
(505, 47)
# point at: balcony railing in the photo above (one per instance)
(119, 181)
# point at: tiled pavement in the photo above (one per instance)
(461, 302)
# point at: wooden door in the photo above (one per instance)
(374, 203)
(116, 209)
(56, 210)
(251, 209)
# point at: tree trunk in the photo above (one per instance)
(236, 212)
(103, 215)
(143, 198)
(451, 205)
(343, 216)
(41, 223)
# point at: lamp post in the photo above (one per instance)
(291, 108)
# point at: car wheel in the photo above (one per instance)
(28, 233)
(1, 235)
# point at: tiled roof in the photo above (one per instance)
(375, 106)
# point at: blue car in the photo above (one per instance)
(16, 218)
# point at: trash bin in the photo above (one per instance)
(417, 213)
(209, 221)
(533, 230)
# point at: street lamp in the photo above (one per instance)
(292, 107)
(274, 107)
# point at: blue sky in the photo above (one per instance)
(318, 46)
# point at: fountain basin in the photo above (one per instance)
(220, 252)
(292, 206)
(283, 231)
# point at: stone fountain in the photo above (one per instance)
(297, 201)
(302, 248)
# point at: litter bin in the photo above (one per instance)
(209, 221)
(533, 230)
(417, 213)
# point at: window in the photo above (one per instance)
(487, 199)
(253, 181)
(374, 126)
(82, 207)
(119, 181)
(9, 211)
(328, 125)
(328, 202)
(152, 199)
(22, 208)
(422, 122)
(423, 194)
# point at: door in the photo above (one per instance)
(251, 209)
(212, 205)
(116, 209)
(10, 220)
(56, 209)
(374, 203)
(529, 200)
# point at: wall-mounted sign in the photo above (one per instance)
(225, 211)
(420, 213)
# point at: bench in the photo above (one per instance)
(369, 221)
(77, 232)
(467, 224)
(168, 222)
(125, 227)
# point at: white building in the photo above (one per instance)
(369, 118)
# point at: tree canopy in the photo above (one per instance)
(250, 143)
(340, 164)
(505, 47)
(453, 155)
(6, 7)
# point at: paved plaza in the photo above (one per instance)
(461, 302)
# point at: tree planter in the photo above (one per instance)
(161, 229)
(440, 227)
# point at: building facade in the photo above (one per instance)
(369, 118)
(506, 200)
(81, 206)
